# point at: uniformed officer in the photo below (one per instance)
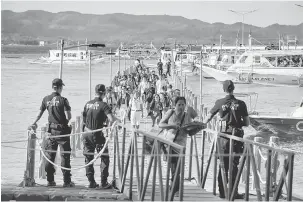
(59, 115)
(94, 115)
(234, 116)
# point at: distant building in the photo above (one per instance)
(41, 43)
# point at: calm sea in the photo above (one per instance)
(24, 85)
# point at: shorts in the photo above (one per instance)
(135, 118)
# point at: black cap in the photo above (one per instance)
(57, 83)
(100, 88)
(228, 86)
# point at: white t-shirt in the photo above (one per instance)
(159, 85)
(143, 86)
(135, 104)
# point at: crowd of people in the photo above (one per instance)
(142, 92)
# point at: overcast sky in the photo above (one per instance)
(269, 12)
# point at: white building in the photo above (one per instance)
(41, 43)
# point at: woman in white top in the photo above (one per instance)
(172, 121)
(160, 83)
(136, 107)
(143, 87)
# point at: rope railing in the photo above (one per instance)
(92, 161)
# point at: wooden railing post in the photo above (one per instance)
(202, 155)
(268, 175)
(215, 156)
(123, 144)
(73, 139)
(78, 130)
(274, 142)
(247, 175)
(230, 169)
(290, 176)
(29, 174)
(181, 191)
(190, 158)
(257, 158)
(42, 173)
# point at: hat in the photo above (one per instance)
(100, 88)
(57, 82)
(228, 86)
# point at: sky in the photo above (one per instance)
(268, 12)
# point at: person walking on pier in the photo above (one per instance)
(160, 67)
(172, 121)
(95, 114)
(59, 112)
(168, 67)
(123, 102)
(234, 116)
(136, 107)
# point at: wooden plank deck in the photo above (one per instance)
(43, 193)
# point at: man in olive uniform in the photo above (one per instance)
(94, 115)
(234, 116)
(59, 116)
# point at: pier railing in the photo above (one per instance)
(135, 164)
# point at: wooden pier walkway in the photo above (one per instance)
(139, 175)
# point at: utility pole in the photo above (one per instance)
(61, 58)
(243, 13)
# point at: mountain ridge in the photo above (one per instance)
(128, 28)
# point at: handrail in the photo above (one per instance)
(256, 143)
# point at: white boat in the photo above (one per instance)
(269, 67)
(138, 51)
(77, 57)
(281, 125)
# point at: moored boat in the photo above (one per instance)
(281, 125)
(269, 67)
(138, 51)
(77, 57)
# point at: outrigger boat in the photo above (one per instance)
(75, 57)
(138, 51)
(280, 125)
(269, 67)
